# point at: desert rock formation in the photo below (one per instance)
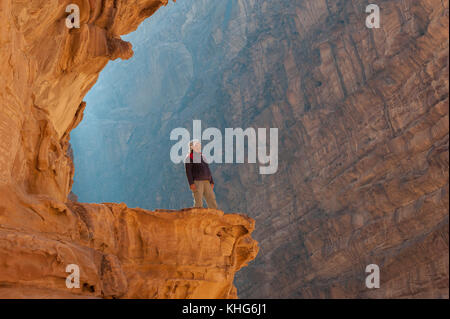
(46, 71)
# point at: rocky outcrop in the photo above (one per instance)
(363, 125)
(132, 253)
(43, 85)
(120, 252)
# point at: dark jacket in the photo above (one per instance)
(197, 171)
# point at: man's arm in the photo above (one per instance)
(188, 167)
(211, 180)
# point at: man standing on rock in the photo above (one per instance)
(199, 176)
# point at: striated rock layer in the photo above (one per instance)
(121, 252)
(47, 69)
(364, 151)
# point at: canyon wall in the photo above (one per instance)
(363, 147)
(47, 70)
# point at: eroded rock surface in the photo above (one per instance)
(46, 71)
(121, 252)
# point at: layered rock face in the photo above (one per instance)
(120, 252)
(47, 69)
(364, 173)
(363, 124)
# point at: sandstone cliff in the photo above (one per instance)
(46, 71)
(363, 122)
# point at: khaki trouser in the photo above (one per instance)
(204, 188)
